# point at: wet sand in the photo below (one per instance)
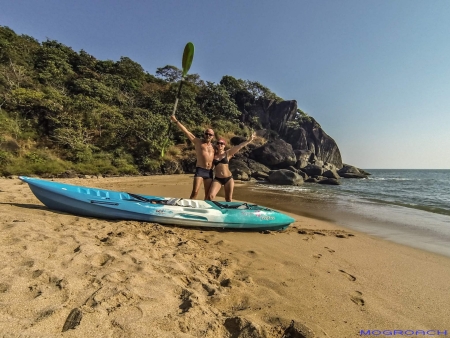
(416, 228)
(135, 279)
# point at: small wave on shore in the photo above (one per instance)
(411, 207)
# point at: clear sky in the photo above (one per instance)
(374, 73)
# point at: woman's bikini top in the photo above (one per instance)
(224, 160)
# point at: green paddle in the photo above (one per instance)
(188, 56)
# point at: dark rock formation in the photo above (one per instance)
(331, 181)
(285, 177)
(332, 173)
(303, 133)
(349, 171)
(309, 136)
(276, 154)
(260, 175)
(312, 170)
(240, 170)
(303, 158)
(256, 166)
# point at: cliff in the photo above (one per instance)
(296, 128)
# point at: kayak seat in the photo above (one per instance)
(172, 201)
(188, 203)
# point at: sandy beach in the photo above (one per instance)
(134, 279)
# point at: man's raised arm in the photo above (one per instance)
(189, 135)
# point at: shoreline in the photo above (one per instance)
(388, 222)
(142, 279)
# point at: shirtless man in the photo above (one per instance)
(205, 155)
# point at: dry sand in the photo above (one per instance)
(134, 279)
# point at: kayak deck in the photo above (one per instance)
(109, 204)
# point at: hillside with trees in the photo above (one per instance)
(64, 110)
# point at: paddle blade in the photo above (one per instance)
(188, 56)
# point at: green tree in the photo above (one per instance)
(216, 103)
(169, 73)
(53, 64)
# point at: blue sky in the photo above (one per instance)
(374, 73)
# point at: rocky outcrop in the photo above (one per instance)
(302, 132)
(309, 136)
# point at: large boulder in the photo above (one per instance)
(275, 154)
(349, 171)
(239, 169)
(285, 177)
(332, 173)
(313, 170)
(330, 181)
(303, 157)
(260, 175)
(256, 166)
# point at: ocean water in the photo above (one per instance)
(427, 190)
(411, 207)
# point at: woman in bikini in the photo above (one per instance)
(222, 173)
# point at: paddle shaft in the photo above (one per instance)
(188, 55)
(178, 96)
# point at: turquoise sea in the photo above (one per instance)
(411, 207)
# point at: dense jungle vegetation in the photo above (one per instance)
(64, 110)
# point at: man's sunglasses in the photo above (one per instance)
(220, 143)
(208, 134)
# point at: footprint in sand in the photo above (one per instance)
(357, 299)
(101, 259)
(186, 301)
(215, 271)
(210, 289)
(124, 315)
(349, 276)
(251, 253)
(4, 287)
(330, 250)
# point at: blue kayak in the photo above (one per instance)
(100, 203)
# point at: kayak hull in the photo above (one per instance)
(109, 204)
